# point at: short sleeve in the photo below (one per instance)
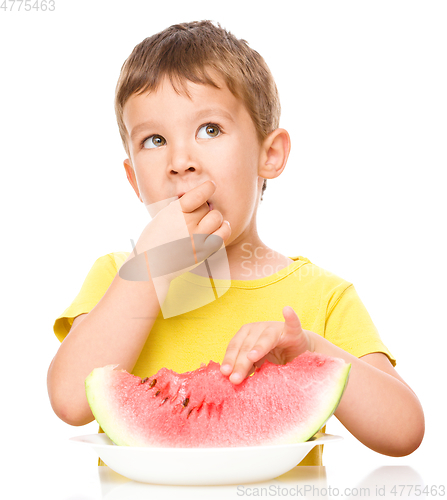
(349, 326)
(94, 287)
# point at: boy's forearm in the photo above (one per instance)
(114, 332)
(377, 408)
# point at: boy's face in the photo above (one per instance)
(177, 143)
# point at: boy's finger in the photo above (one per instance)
(292, 322)
(244, 363)
(210, 222)
(236, 361)
(240, 342)
(265, 343)
(241, 370)
(224, 230)
(197, 196)
(228, 361)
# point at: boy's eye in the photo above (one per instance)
(154, 141)
(208, 131)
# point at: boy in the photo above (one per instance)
(198, 113)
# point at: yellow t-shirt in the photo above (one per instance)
(325, 304)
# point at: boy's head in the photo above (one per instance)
(198, 52)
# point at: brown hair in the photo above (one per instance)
(184, 52)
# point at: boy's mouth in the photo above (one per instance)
(208, 201)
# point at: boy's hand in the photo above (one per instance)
(272, 341)
(173, 250)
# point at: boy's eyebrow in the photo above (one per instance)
(200, 114)
(138, 128)
(214, 111)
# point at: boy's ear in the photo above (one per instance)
(130, 174)
(275, 151)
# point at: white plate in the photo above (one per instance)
(201, 466)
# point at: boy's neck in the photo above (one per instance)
(249, 260)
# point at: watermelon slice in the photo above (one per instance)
(278, 404)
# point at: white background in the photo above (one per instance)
(362, 87)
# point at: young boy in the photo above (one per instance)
(198, 112)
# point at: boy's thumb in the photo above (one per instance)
(291, 318)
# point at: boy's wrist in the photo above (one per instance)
(325, 346)
(154, 264)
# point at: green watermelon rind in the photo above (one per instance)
(297, 436)
(104, 414)
(344, 377)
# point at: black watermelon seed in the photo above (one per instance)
(153, 383)
(145, 380)
(164, 400)
(157, 393)
(185, 402)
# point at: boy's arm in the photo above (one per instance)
(116, 329)
(377, 407)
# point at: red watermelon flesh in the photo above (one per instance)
(278, 404)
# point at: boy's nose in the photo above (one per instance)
(181, 170)
(181, 161)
